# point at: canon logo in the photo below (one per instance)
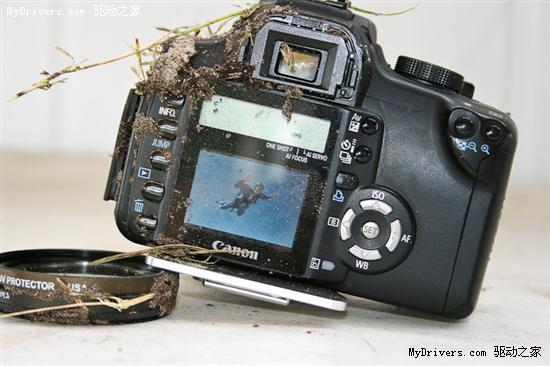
(239, 252)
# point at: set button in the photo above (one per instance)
(376, 232)
(370, 230)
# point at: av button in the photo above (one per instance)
(345, 225)
(370, 126)
(395, 235)
(367, 255)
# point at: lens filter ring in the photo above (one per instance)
(33, 279)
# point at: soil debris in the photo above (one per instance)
(164, 75)
(164, 298)
(293, 93)
(174, 74)
(144, 125)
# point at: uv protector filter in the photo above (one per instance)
(33, 279)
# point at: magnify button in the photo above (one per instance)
(485, 149)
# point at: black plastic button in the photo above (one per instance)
(464, 127)
(174, 101)
(164, 110)
(494, 133)
(153, 191)
(363, 154)
(160, 160)
(168, 129)
(370, 126)
(147, 222)
(346, 181)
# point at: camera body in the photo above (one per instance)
(384, 184)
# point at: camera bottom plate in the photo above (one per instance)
(253, 285)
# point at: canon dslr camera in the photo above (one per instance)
(385, 183)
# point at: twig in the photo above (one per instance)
(51, 78)
(361, 10)
(142, 75)
(112, 302)
(192, 250)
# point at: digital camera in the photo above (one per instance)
(381, 183)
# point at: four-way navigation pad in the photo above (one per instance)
(377, 231)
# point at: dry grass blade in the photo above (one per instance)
(52, 78)
(188, 251)
(63, 51)
(141, 73)
(112, 302)
(366, 11)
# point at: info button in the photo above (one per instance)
(346, 181)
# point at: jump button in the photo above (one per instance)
(346, 181)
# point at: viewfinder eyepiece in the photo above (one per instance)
(298, 62)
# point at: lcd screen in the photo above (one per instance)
(266, 123)
(246, 197)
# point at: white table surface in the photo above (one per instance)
(56, 202)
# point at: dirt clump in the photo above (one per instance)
(292, 94)
(165, 291)
(165, 73)
(144, 125)
(174, 74)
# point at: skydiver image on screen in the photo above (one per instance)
(246, 197)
